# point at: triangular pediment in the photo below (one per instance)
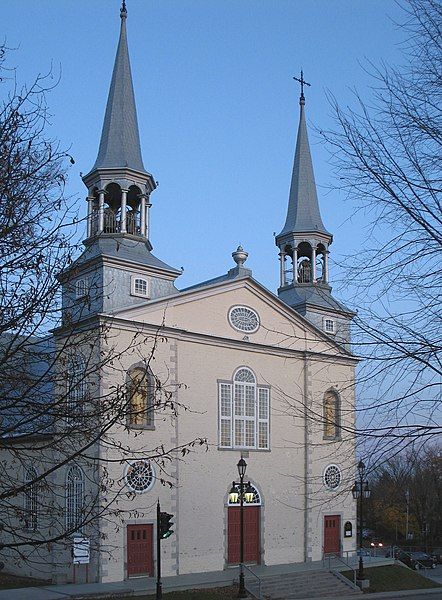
(207, 311)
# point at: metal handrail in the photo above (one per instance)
(409, 554)
(331, 555)
(258, 578)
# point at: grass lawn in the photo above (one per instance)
(224, 593)
(14, 581)
(393, 578)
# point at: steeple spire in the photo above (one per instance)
(117, 262)
(120, 140)
(119, 186)
(304, 245)
(303, 213)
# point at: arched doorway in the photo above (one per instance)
(252, 533)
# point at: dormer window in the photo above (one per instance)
(329, 326)
(140, 286)
(81, 288)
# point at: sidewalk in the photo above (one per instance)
(146, 585)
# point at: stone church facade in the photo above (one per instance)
(263, 376)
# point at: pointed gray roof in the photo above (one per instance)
(120, 140)
(303, 214)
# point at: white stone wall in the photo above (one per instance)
(288, 478)
(197, 348)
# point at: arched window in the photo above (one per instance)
(140, 394)
(304, 263)
(74, 499)
(112, 204)
(243, 412)
(81, 288)
(31, 499)
(331, 415)
(76, 392)
(140, 286)
(245, 408)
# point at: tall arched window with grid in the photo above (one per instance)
(76, 393)
(74, 499)
(140, 389)
(331, 410)
(244, 412)
(31, 499)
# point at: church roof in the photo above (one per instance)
(303, 213)
(313, 295)
(125, 250)
(120, 140)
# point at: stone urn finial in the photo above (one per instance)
(240, 256)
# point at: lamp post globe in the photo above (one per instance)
(242, 466)
(361, 491)
(243, 495)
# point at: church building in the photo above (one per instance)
(267, 376)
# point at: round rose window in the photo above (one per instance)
(332, 477)
(139, 476)
(244, 319)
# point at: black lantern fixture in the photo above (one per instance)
(361, 491)
(242, 466)
(244, 493)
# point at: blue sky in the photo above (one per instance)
(217, 108)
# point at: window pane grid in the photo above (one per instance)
(245, 375)
(239, 400)
(140, 287)
(243, 413)
(329, 325)
(226, 433)
(250, 434)
(74, 499)
(76, 390)
(263, 416)
(31, 499)
(81, 288)
(263, 435)
(263, 395)
(250, 401)
(225, 409)
(239, 432)
(226, 400)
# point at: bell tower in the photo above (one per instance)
(119, 185)
(304, 244)
(117, 268)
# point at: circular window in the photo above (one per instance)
(139, 476)
(332, 477)
(244, 319)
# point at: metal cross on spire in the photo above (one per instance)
(123, 9)
(303, 82)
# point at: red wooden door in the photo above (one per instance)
(140, 550)
(251, 535)
(332, 534)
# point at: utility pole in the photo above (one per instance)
(407, 497)
(159, 584)
(164, 530)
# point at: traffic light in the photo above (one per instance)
(165, 525)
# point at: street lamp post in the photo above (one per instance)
(247, 495)
(360, 491)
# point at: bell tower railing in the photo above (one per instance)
(112, 222)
